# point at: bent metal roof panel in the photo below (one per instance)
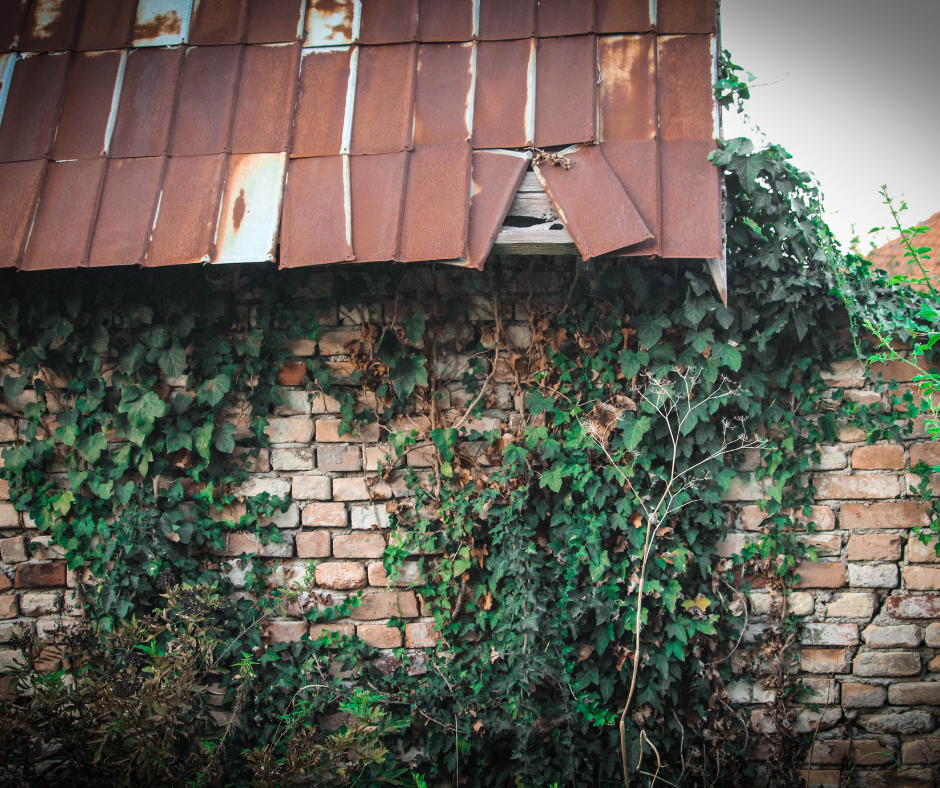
(162, 132)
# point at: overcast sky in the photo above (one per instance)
(851, 88)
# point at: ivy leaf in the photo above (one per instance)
(177, 440)
(538, 404)
(444, 440)
(203, 437)
(631, 363)
(407, 373)
(551, 479)
(224, 438)
(671, 594)
(15, 459)
(650, 329)
(13, 386)
(727, 355)
(91, 446)
(68, 434)
(213, 390)
(142, 411)
(413, 326)
(172, 360)
(633, 429)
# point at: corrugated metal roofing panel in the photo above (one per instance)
(7, 61)
(19, 192)
(50, 26)
(32, 106)
(686, 16)
(636, 165)
(321, 101)
(564, 91)
(504, 101)
(495, 178)
(388, 21)
(564, 18)
(378, 189)
(65, 216)
(316, 226)
(506, 19)
(251, 207)
(217, 22)
(627, 87)
(593, 205)
(86, 111)
(187, 210)
(106, 24)
(622, 16)
(161, 23)
(265, 98)
(332, 23)
(382, 116)
(446, 20)
(125, 213)
(274, 21)
(434, 226)
(206, 99)
(691, 195)
(145, 109)
(686, 103)
(12, 14)
(443, 93)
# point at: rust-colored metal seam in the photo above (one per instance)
(236, 82)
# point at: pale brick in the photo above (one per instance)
(820, 575)
(919, 552)
(822, 517)
(341, 575)
(861, 485)
(376, 456)
(908, 607)
(822, 691)
(286, 631)
(751, 517)
(9, 517)
(762, 603)
(409, 574)
(824, 660)
(350, 489)
(253, 461)
(830, 634)
(328, 432)
(845, 375)
(904, 636)
(45, 549)
(313, 544)
(339, 457)
(5, 582)
(284, 548)
(849, 433)
(293, 459)
(801, 603)
(874, 547)
(921, 751)
(324, 403)
(319, 630)
(873, 575)
(379, 635)
(312, 488)
(13, 549)
(856, 695)
(386, 604)
(864, 752)
(932, 635)
(8, 606)
(808, 720)
(287, 519)
(934, 665)
(238, 543)
(824, 544)
(367, 518)
(893, 514)
(831, 458)
(420, 635)
(905, 723)
(7, 431)
(745, 490)
(341, 342)
(915, 693)
(10, 659)
(297, 429)
(740, 691)
(921, 578)
(820, 778)
(257, 485)
(371, 545)
(328, 515)
(878, 458)
(293, 403)
(4, 490)
(927, 453)
(301, 346)
(863, 397)
(731, 545)
(887, 664)
(895, 369)
(43, 603)
(914, 483)
(851, 606)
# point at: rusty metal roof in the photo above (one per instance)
(160, 132)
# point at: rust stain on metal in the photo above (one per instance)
(12, 14)
(217, 22)
(274, 21)
(330, 23)
(502, 94)
(125, 213)
(265, 98)
(388, 21)
(436, 201)
(564, 18)
(382, 115)
(19, 193)
(686, 16)
(564, 91)
(691, 195)
(636, 165)
(106, 24)
(445, 20)
(506, 19)
(65, 216)
(314, 220)
(443, 98)
(206, 99)
(622, 16)
(495, 178)
(251, 207)
(146, 106)
(32, 107)
(89, 93)
(50, 25)
(593, 205)
(187, 210)
(686, 103)
(378, 188)
(627, 89)
(321, 102)
(161, 22)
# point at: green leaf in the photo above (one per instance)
(413, 326)
(143, 410)
(203, 436)
(172, 360)
(727, 355)
(213, 390)
(650, 329)
(13, 386)
(631, 363)
(92, 446)
(633, 429)
(407, 373)
(224, 437)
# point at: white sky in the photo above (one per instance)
(851, 88)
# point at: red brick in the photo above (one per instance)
(318, 630)
(313, 544)
(890, 514)
(927, 453)
(342, 575)
(291, 373)
(887, 663)
(919, 552)
(298, 429)
(921, 578)
(915, 693)
(832, 752)
(350, 489)
(40, 575)
(824, 660)
(286, 631)
(328, 432)
(379, 635)
(409, 574)
(878, 458)
(332, 515)
(860, 485)
(856, 695)
(909, 607)
(921, 751)
(820, 575)
(239, 542)
(875, 547)
(386, 604)
(5, 583)
(420, 635)
(8, 606)
(359, 545)
(823, 777)
(898, 370)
